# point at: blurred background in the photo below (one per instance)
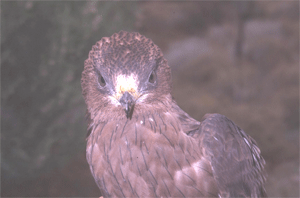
(237, 58)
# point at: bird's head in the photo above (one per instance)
(123, 74)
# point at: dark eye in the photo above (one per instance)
(152, 77)
(101, 81)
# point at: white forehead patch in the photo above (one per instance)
(126, 83)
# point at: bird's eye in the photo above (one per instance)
(152, 77)
(101, 81)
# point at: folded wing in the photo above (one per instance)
(237, 165)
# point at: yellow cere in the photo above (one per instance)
(126, 83)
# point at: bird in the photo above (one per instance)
(140, 143)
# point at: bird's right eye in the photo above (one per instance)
(101, 81)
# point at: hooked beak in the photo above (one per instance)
(127, 102)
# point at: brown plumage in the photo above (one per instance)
(141, 144)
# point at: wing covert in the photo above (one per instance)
(235, 158)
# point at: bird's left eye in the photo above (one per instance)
(101, 81)
(152, 77)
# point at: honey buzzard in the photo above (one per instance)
(141, 144)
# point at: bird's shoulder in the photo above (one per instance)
(188, 124)
(235, 157)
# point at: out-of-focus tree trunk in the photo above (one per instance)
(244, 12)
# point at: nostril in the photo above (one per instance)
(126, 97)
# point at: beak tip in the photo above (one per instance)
(129, 111)
(127, 101)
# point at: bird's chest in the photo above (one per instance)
(144, 157)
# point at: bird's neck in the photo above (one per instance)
(150, 113)
(150, 126)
